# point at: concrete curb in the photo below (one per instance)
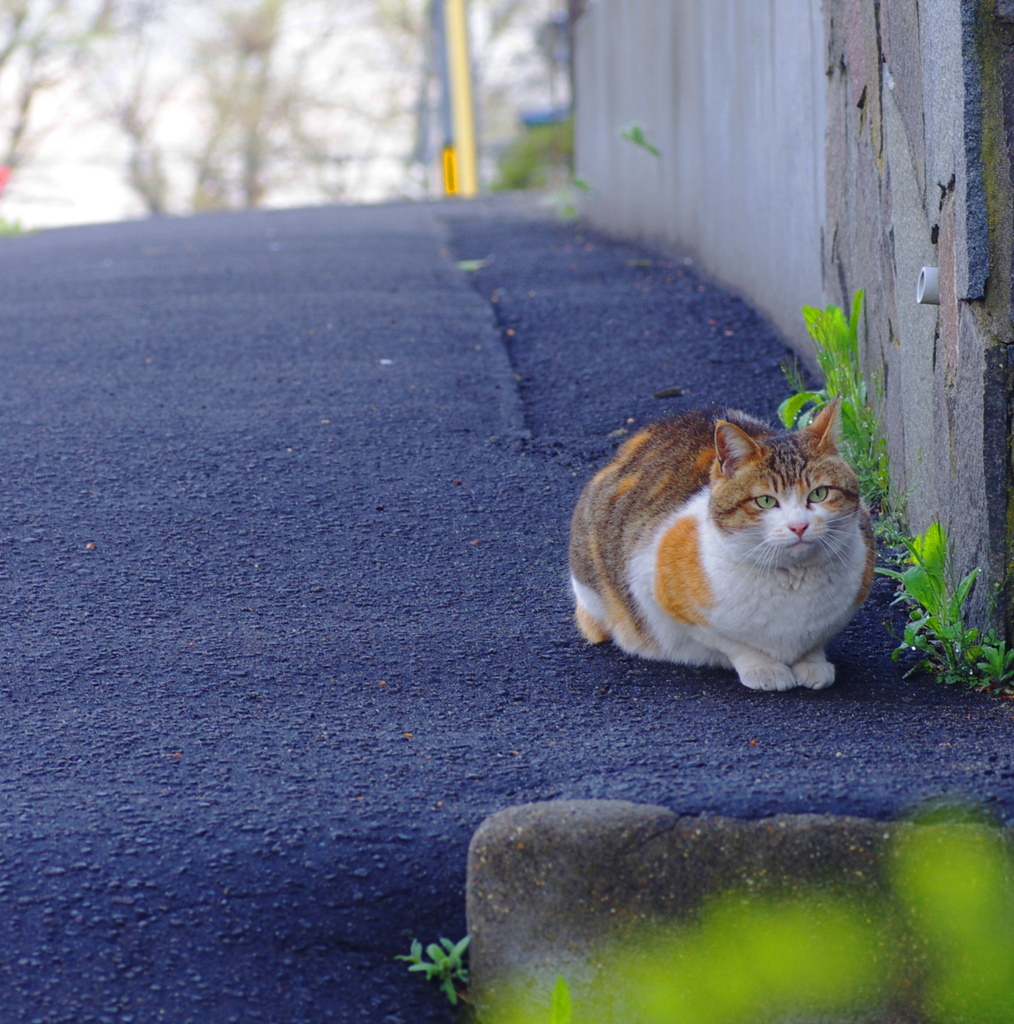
(552, 884)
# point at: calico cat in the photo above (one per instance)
(717, 541)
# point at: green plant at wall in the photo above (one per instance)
(565, 200)
(836, 340)
(445, 964)
(936, 627)
(635, 134)
(936, 940)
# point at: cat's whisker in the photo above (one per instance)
(761, 558)
(834, 550)
(762, 548)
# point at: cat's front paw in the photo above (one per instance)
(767, 676)
(815, 675)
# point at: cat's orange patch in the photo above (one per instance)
(681, 587)
(619, 623)
(704, 461)
(591, 629)
(626, 483)
(604, 472)
(632, 445)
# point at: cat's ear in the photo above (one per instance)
(733, 447)
(826, 427)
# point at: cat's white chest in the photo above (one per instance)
(784, 611)
(789, 610)
(793, 576)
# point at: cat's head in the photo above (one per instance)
(787, 498)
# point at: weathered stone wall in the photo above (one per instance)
(913, 98)
(903, 142)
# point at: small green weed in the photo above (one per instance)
(445, 964)
(564, 201)
(936, 627)
(997, 666)
(635, 134)
(836, 340)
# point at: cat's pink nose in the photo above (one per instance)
(799, 529)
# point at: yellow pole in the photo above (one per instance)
(450, 171)
(464, 170)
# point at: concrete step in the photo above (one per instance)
(553, 886)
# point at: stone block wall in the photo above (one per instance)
(913, 96)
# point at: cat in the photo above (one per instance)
(718, 541)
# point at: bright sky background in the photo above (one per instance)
(75, 170)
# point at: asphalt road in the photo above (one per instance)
(282, 561)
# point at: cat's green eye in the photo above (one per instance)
(766, 501)
(817, 495)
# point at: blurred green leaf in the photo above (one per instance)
(791, 410)
(560, 1008)
(635, 134)
(954, 880)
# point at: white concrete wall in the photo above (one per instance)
(733, 94)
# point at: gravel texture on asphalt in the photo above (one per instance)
(285, 503)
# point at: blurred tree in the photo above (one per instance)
(43, 43)
(510, 70)
(244, 101)
(131, 84)
(405, 26)
(236, 103)
(267, 79)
